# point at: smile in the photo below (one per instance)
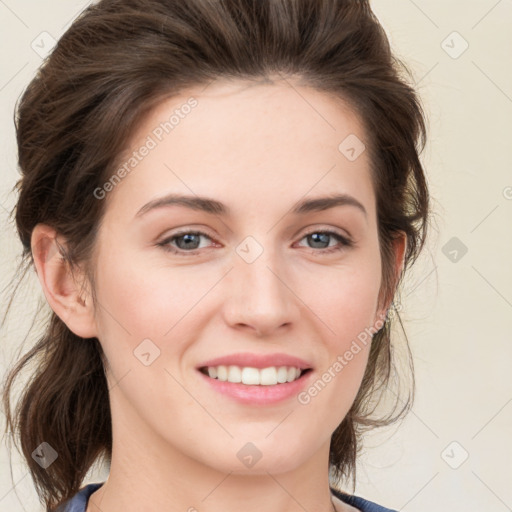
(261, 387)
(250, 376)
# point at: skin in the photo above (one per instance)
(259, 149)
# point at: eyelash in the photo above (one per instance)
(165, 244)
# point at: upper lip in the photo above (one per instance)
(257, 360)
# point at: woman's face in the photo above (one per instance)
(259, 279)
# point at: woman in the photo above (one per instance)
(220, 200)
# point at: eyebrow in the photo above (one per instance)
(214, 207)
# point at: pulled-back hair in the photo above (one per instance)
(116, 62)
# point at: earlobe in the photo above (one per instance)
(60, 285)
(399, 249)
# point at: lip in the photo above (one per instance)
(257, 361)
(258, 395)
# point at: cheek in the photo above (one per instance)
(142, 298)
(150, 314)
(347, 316)
(142, 315)
(346, 310)
(344, 299)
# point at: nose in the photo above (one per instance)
(260, 295)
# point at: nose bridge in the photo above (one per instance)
(259, 296)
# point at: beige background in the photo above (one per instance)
(456, 307)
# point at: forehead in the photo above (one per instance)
(250, 142)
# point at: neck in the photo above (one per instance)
(147, 473)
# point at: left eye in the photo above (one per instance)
(188, 241)
(322, 237)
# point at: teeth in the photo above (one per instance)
(254, 376)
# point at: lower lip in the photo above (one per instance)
(258, 394)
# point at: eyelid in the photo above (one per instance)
(344, 233)
(185, 230)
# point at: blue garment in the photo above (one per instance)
(360, 503)
(79, 501)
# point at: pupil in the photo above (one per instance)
(320, 238)
(188, 239)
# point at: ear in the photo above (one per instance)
(61, 289)
(399, 249)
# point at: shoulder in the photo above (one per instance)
(78, 503)
(359, 503)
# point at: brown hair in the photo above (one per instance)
(119, 59)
